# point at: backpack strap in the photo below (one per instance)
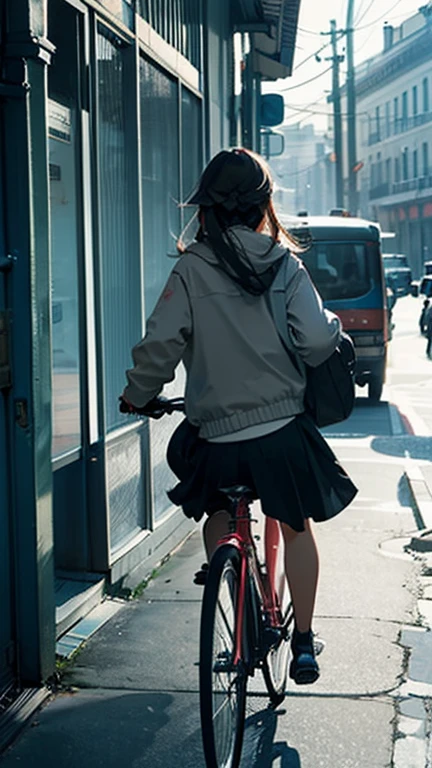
(276, 299)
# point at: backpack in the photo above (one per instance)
(330, 387)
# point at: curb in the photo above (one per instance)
(422, 502)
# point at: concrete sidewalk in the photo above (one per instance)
(130, 696)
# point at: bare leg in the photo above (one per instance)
(301, 568)
(216, 525)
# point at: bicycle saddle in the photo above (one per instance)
(237, 492)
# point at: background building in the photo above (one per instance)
(304, 173)
(394, 110)
(109, 110)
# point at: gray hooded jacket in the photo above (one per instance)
(238, 371)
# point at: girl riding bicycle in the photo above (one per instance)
(245, 421)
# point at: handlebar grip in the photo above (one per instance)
(156, 407)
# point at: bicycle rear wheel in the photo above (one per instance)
(222, 685)
(275, 665)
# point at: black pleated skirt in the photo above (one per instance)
(293, 472)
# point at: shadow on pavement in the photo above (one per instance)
(259, 748)
(100, 729)
(368, 418)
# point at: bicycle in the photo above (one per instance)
(245, 624)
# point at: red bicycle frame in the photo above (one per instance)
(243, 541)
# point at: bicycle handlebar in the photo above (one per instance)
(155, 408)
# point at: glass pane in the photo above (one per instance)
(191, 147)
(123, 9)
(161, 224)
(119, 256)
(125, 480)
(160, 176)
(65, 241)
(339, 270)
(179, 22)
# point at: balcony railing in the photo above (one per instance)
(398, 187)
(401, 125)
(382, 190)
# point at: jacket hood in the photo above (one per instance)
(257, 251)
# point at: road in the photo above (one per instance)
(130, 698)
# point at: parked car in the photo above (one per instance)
(397, 273)
(425, 287)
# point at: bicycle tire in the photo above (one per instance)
(275, 667)
(222, 687)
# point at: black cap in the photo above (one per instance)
(234, 179)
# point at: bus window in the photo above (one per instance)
(340, 270)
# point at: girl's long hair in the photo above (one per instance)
(236, 189)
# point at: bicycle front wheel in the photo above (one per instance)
(222, 684)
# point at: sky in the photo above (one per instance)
(306, 101)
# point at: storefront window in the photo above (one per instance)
(160, 184)
(63, 150)
(160, 176)
(191, 147)
(118, 206)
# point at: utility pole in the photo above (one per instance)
(351, 110)
(337, 118)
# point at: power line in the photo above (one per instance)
(308, 31)
(316, 112)
(359, 10)
(306, 82)
(307, 168)
(371, 23)
(359, 18)
(312, 56)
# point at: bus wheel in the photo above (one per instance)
(375, 388)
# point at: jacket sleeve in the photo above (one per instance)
(156, 357)
(315, 331)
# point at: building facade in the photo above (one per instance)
(394, 111)
(108, 112)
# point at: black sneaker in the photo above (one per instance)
(304, 669)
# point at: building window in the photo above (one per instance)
(65, 233)
(425, 158)
(119, 254)
(370, 132)
(388, 170)
(378, 123)
(404, 110)
(405, 164)
(160, 176)
(414, 100)
(396, 114)
(415, 164)
(425, 94)
(396, 170)
(191, 134)
(179, 22)
(378, 169)
(387, 119)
